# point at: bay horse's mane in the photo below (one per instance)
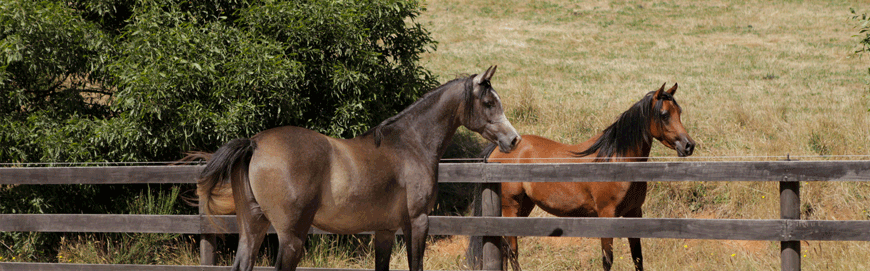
(427, 99)
(631, 130)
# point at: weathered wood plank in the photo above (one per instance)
(137, 267)
(117, 267)
(658, 171)
(827, 230)
(729, 229)
(474, 172)
(100, 175)
(185, 224)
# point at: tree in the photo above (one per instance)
(146, 80)
(120, 80)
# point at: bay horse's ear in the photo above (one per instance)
(485, 76)
(659, 92)
(673, 89)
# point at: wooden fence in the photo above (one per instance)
(789, 230)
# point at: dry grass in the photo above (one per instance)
(757, 78)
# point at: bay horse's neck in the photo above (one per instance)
(629, 137)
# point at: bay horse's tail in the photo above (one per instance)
(227, 168)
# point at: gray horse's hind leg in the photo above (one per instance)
(383, 249)
(415, 232)
(290, 250)
(251, 233)
(291, 240)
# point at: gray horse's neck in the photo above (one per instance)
(432, 126)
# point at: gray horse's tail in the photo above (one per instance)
(227, 168)
(475, 243)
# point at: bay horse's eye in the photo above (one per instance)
(665, 116)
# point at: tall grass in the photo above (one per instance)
(133, 248)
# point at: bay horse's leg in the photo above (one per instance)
(607, 249)
(607, 243)
(514, 203)
(383, 249)
(634, 243)
(415, 230)
(252, 230)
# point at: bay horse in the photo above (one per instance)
(381, 181)
(629, 139)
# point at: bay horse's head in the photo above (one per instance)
(485, 115)
(666, 125)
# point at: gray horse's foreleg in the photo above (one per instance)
(251, 233)
(383, 249)
(415, 232)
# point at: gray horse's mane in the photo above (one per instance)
(427, 99)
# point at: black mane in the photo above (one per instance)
(427, 99)
(631, 129)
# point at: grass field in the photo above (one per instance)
(758, 80)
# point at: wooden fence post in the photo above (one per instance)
(491, 203)
(790, 208)
(206, 241)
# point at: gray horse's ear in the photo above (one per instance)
(489, 72)
(485, 76)
(673, 89)
(659, 92)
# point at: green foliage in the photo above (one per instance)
(123, 80)
(146, 80)
(864, 30)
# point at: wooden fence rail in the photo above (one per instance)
(789, 230)
(680, 228)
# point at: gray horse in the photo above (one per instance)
(380, 181)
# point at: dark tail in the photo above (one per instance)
(474, 252)
(226, 168)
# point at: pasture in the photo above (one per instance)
(757, 79)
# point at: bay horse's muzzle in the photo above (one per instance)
(685, 145)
